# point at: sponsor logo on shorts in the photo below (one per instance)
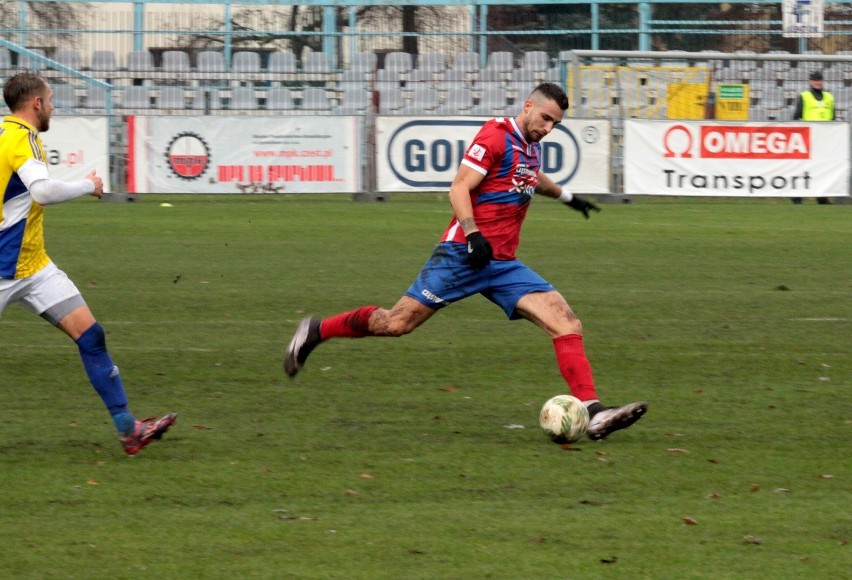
(432, 298)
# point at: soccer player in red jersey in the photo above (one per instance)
(490, 196)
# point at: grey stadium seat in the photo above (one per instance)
(104, 61)
(282, 61)
(316, 62)
(246, 62)
(171, 98)
(175, 61)
(243, 98)
(279, 99)
(140, 60)
(69, 57)
(315, 99)
(136, 97)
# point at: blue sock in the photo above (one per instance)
(104, 376)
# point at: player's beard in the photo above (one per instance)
(43, 121)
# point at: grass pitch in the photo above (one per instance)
(406, 458)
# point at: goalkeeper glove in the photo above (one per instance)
(577, 203)
(479, 252)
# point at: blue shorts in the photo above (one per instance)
(447, 278)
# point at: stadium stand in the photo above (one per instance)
(466, 61)
(95, 98)
(399, 63)
(317, 62)
(363, 62)
(24, 61)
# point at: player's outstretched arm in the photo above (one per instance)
(548, 188)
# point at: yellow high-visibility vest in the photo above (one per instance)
(814, 110)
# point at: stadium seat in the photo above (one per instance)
(245, 61)
(95, 98)
(25, 61)
(317, 62)
(355, 101)
(140, 60)
(279, 99)
(391, 101)
(432, 62)
(282, 61)
(210, 61)
(535, 60)
(459, 101)
(104, 61)
(171, 98)
(500, 61)
(136, 97)
(5, 58)
(398, 62)
(466, 61)
(354, 78)
(454, 78)
(492, 102)
(424, 100)
(364, 62)
(64, 96)
(420, 76)
(315, 99)
(175, 61)
(69, 57)
(243, 99)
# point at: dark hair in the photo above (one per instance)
(553, 92)
(816, 76)
(22, 87)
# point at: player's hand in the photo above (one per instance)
(479, 252)
(99, 184)
(582, 206)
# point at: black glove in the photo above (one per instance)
(582, 206)
(479, 251)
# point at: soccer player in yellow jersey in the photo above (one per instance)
(27, 275)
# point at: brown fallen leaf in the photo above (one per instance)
(92, 482)
(537, 540)
(755, 487)
(713, 495)
(351, 492)
(449, 388)
(677, 450)
(367, 476)
(753, 539)
(690, 521)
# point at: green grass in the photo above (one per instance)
(731, 317)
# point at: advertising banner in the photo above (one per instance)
(713, 158)
(244, 154)
(75, 146)
(423, 154)
(803, 18)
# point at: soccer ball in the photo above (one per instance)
(564, 418)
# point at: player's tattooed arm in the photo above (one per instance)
(468, 225)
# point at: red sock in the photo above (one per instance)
(574, 366)
(353, 324)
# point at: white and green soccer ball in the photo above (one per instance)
(564, 418)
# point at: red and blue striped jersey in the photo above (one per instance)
(510, 165)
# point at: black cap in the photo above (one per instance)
(816, 76)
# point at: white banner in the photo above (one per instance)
(75, 146)
(422, 154)
(717, 158)
(197, 154)
(802, 18)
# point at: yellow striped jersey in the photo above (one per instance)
(22, 161)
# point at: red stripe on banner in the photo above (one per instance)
(131, 154)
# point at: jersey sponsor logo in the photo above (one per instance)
(476, 151)
(431, 297)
